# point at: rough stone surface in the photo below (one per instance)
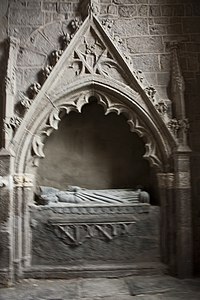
(135, 288)
(139, 245)
(146, 27)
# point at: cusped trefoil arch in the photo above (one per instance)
(76, 104)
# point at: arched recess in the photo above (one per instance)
(43, 117)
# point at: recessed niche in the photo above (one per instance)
(94, 150)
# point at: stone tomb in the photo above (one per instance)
(93, 121)
(93, 229)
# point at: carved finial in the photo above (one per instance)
(177, 89)
(150, 91)
(90, 7)
(176, 74)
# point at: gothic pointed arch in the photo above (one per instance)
(94, 63)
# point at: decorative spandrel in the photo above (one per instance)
(91, 57)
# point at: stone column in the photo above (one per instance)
(166, 191)
(163, 216)
(23, 197)
(18, 196)
(26, 230)
(184, 239)
(6, 218)
(171, 222)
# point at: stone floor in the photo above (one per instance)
(127, 288)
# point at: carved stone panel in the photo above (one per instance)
(76, 234)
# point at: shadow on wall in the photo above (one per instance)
(94, 151)
(3, 64)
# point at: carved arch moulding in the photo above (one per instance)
(44, 122)
(76, 104)
(93, 58)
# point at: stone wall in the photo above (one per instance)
(81, 154)
(145, 26)
(3, 56)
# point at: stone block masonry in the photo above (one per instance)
(146, 27)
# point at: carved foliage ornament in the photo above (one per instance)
(76, 104)
(23, 180)
(13, 123)
(178, 125)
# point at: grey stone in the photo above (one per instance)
(33, 4)
(103, 288)
(149, 35)
(112, 10)
(28, 58)
(64, 7)
(148, 62)
(127, 11)
(124, 27)
(142, 10)
(149, 45)
(163, 78)
(164, 62)
(129, 1)
(153, 285)
(26, 17)
(158, 29)
(3, 7)
(154, 10)
(49, 6)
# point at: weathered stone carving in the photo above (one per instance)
(34, 89)
(107, 24)
(67, 37)
(173, 125)
(89, 7)
(10, 79)
(13, 123)
(177, 126)
(10, 88)
(75, 234)
(18, 180)
(166, 180)
(91, 57)
(55, 56)
(183, 179)
(177, 89)
(3, 182)
(139, 75)
(99, 209)
(46, 71)
(150, 91)
(161, 107)
(24, 100)
(78, 195)
(76, 105)
(23, 180)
